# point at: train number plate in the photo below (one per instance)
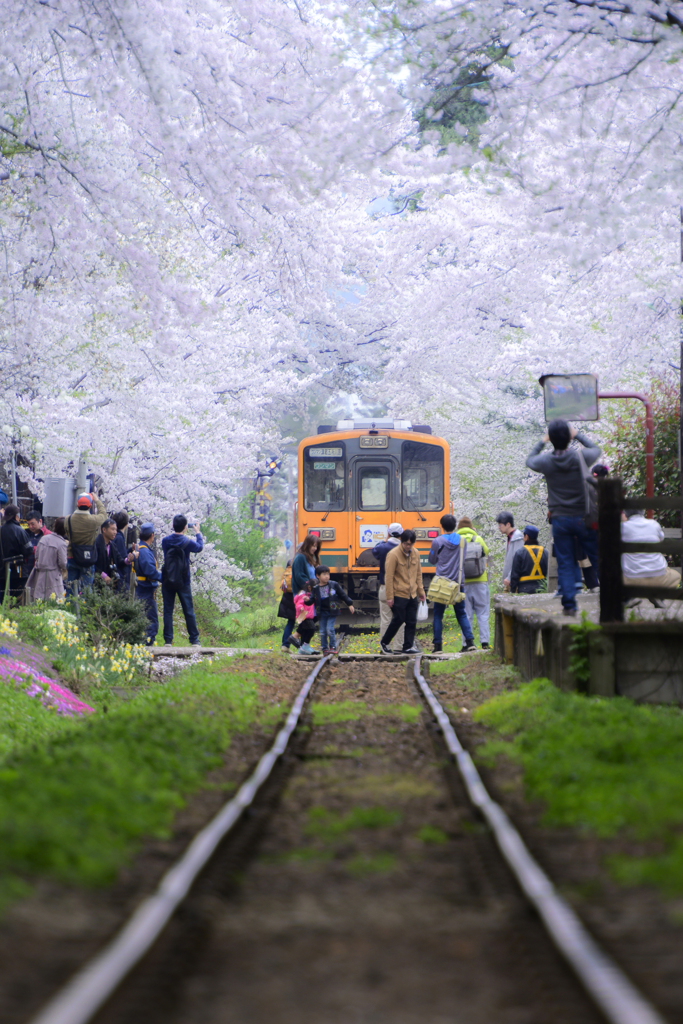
(325, 453)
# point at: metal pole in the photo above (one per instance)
(649, 438)
(14, 477)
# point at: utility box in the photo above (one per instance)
(60, 495)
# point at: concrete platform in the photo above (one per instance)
(641, 658)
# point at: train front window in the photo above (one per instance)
(325, 478)
(422, 476)
(374, 482)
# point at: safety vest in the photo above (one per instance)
(144, 579)
(536, 552)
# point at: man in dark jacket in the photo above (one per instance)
(15, 550)
(108, 562)
(177, 549)
(530, 565)
(148, 579)
(565, 478)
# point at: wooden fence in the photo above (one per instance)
(613, 592)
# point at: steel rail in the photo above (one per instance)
(619, 1000)
(92, 986)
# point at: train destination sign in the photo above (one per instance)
(570, 396)
(325, 453)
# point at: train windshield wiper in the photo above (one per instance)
(407, 497)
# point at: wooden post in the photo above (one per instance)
(610, 498)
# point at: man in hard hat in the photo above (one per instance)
(81, 529)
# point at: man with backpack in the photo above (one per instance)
(477, 596)
(571, 504)
(175, 578)
(81, 530)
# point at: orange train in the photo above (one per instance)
(357, 478)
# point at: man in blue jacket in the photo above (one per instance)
(148, 578)
(177, 549)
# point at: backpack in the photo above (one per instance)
(286, 581)
(84, 555)
(475, 561)
(174, 570)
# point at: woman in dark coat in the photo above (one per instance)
(303, 576)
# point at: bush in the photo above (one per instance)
(111, 618)
(625, 448)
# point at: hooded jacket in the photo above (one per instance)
(566, 488)
(514, 543)
(445, 553)
(473, 538)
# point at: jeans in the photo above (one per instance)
(287, 632)
(566, 530)
(326, 626)
(461, 616)
(478, 602)
(404, 611)
(76, 573)
(148, 596)
(185, 595)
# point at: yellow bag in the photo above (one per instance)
(444, 591)
(286, 583)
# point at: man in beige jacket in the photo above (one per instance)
(81, 529)
(404, 588)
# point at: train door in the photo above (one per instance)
(374, 494)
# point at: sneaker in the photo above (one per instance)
(306, 649)
(466, 648)
(195, 643)
(386, 649)
(411, 650)
(571, 612)
(437, 647)
(295, 641)
(332, 650)
(284, 649)
(486, 647)
(594, 590)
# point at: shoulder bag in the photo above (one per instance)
(84, 555)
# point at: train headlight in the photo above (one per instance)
(374, 441)
(327, 534)
(421, 534)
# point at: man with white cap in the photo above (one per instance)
(380, 551)
(81, 529)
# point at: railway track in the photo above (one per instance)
(356, 876)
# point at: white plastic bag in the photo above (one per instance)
(422, 612)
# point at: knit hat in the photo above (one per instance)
(531, 532)
(84, 500)
(395, 529)
(465, 523)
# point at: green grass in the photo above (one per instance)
(364, 865)
(78, 796)
(432, 834)
(608, 767)
(327, 826)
